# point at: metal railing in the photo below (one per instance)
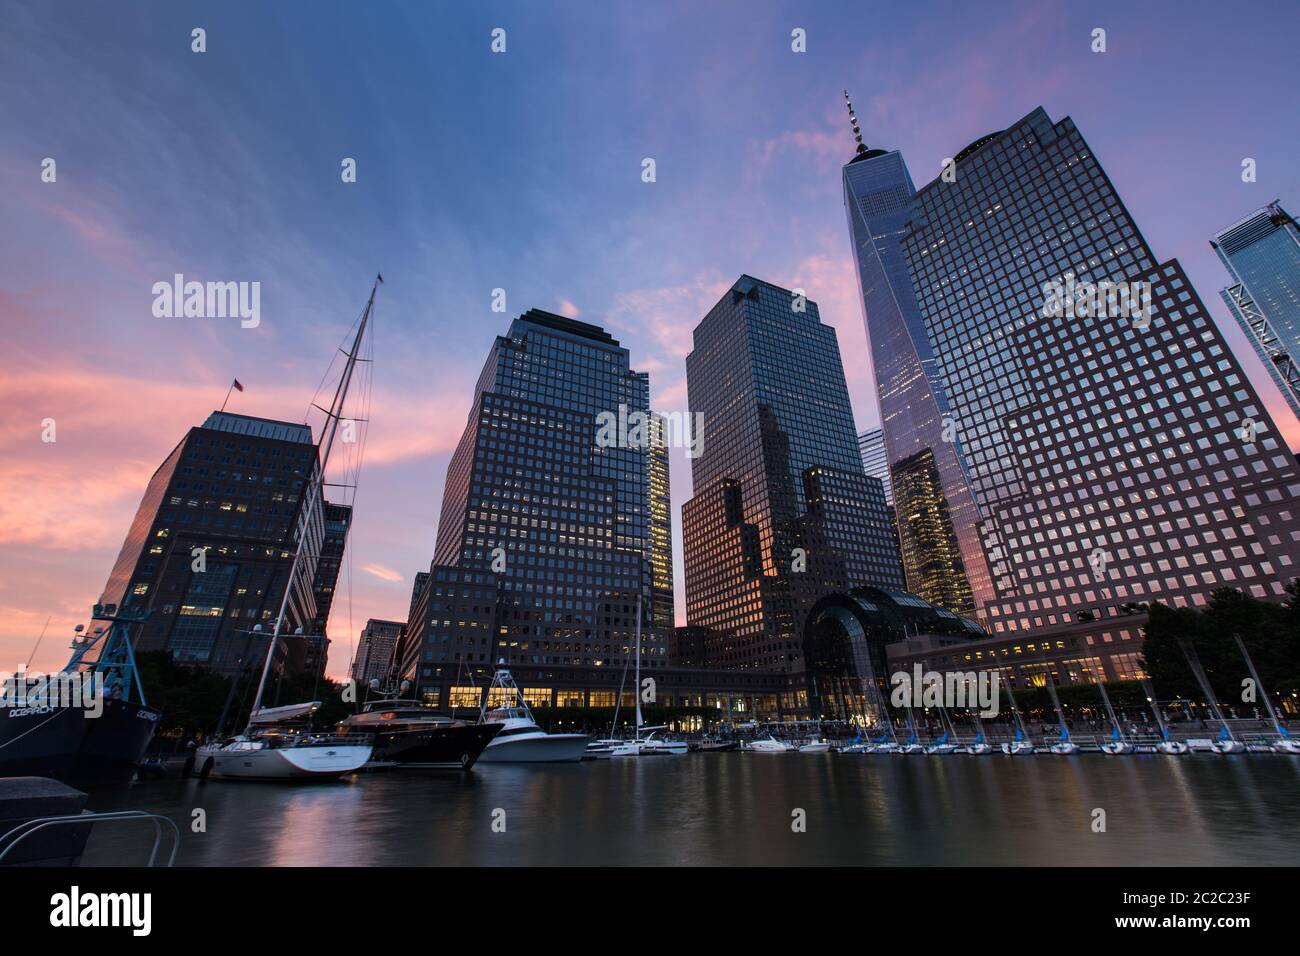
(21, 832)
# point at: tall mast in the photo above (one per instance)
(314, 490)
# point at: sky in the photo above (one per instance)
(522, 171)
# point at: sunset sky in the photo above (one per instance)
(521, 171)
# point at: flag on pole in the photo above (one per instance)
(235, 384)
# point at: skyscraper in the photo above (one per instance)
(1113, 457)
(547, 535)
(937, 517)
(663, 613)
(782, 511)
(1262, 254)
(375, 650)
(875, 460)
(213, 539)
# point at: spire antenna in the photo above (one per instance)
(853, 120)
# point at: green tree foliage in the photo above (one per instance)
(1271, 633)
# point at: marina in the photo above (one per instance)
(735, 808)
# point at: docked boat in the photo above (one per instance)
(61, 739)
(273, 746)
(519, 739)
(714, 745)
(276, 748)
(412, 734)
(941, 747)
(651, 745)
(909, 747)
(1173, 748)
(1117, 745)
(980, 747)
(814, 747)
(1226, 743)
(602, 748)
(769, 745)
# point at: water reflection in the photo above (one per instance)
(732, 808)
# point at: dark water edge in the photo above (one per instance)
(736, 809)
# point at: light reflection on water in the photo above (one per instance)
(735, 809)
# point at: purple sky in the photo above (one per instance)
(521, 171)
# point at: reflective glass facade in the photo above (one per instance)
(1114, 459)
(545, 539)
(914, 412)
(1262, 254)
(875, 461)
(235, 488)
(782, 510)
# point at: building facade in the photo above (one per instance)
(1262, 254)
(875, 461)
(376, 650)
(1114, 456)
(212, 542)
(547, 540)
(782, 510)
(937, 516)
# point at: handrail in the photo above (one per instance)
(40, 823)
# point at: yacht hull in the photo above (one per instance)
(281, 763)
(433, 747)
(63, 743)
(542, 748)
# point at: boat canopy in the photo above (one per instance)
(275, 715)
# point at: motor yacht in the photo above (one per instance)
(412, 734)
(520, 740)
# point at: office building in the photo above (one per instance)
(782, 511)
(212, 542)
(1262, 254)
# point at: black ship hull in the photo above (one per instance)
(66, 744)
(458, 747)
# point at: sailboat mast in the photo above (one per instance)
(314, 487)
(1268, 704)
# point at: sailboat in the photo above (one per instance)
(1064, 746)
(1117, 745)
(1226, 742)
(1020, 744)
(980, 747)
(1173, 748)
(947, 744)
(273, 747)
(1284, 744)
(651, 744)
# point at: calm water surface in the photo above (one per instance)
(735, 809)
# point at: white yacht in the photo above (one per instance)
(814, 746)
(769, 745)
(271, 746)
(270, 750)
(520, 740)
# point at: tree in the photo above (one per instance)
(1271, 633)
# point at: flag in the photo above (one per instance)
(235, 384)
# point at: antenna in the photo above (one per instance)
(853, 120)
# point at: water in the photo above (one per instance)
(736, 809)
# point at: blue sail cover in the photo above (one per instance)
(1223, 732)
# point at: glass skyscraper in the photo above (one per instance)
(1110, 459)
(235, 489)
(547, 535)
(782, 511)
(1262, 254)
(875, 460)
(937, 517)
